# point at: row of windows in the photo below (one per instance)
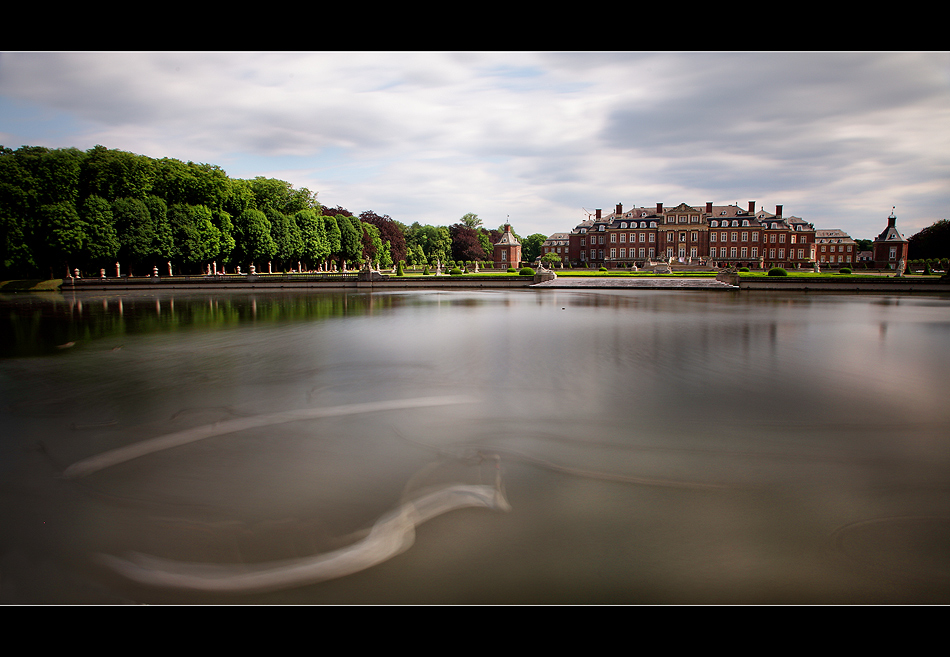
(598, 254)
(832, 248)
(694, 237)
(746, 252)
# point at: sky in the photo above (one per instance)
(540, 139)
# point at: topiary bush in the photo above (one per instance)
(743, 269)
(526, 271)
(455, 271)
(844, 270)
(425, 270)
(399, 271)
(512, 270)
(777, 271)
(602, 269)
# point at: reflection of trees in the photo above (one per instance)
(37, 324)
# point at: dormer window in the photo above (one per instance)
(745, 222)
(643, 214)
(735, 223)
(652, 224)
(714, 223)
(721, 214)
(601, 227)
(623, 225)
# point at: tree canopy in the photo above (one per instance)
(932, 242)
(65, 209)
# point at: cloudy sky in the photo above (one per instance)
(542, 138)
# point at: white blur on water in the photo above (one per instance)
(648, 446)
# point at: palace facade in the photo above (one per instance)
(720, 235)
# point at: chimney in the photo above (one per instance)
(751, 207)
(778, 211)
(708, 207)
(619, 209)
(892, 220)
(598, 213)
(659, 208)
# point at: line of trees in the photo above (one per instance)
(66, 209)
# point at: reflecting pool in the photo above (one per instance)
(439, 447)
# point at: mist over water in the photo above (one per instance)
(654, 446)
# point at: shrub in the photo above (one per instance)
(602, 269)
(743, 269)
(455, 271)
(526, 271)
(844, 270)
(425, 270)
(399, 271)
(512, 270)
(777, 271)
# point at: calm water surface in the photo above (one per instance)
(654, 446)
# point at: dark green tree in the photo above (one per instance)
(531, 247)
(932, 242)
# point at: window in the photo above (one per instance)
(613, 253)
(641, 252)
(781, 254)
(652, 224)
(755, 252)
(652, 237)
(772, 238)
(722, 237)
(714, 223)
(771, 254)
(623, 237)
(623, 224)
(613, 238)
(745, 252)
(712, 237)
(623, 253)
(694, 219)
(504, 255)
(735, 237)
(755, 236)
(801, 254)
(712, 252)
(745, 237)
(745, 222)
(893, 253)
(583, 241)
(781, 238)
(732, 252)
(694, 236)
(642, 237)
(600, 238)
(652, 252)
(682, 237)
(735, 223)
(793, 238)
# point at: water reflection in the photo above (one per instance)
(654, 446)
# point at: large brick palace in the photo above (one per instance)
(715, 234)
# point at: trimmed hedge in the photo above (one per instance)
(526, 271)
(777, 271)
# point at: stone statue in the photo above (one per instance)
(901, 267)
(817, 267)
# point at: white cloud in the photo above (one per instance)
(836, 138)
